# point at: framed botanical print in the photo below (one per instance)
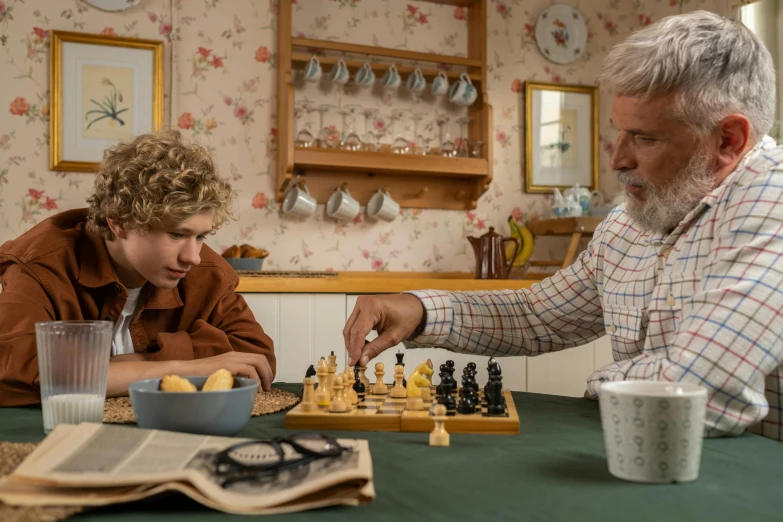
(561, 136)
(103, 89)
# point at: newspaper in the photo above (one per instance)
(96, 464)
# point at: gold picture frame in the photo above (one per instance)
(91, 77)
(561, 136)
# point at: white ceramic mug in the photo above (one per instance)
(341, 206)
(391, 80)
(653, 429)
(463, 92)
(312, 70)
(298, 202)
(339, 73)
(382, 206)
(440, 85)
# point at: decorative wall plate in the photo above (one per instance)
(111, 5)
(561, 33)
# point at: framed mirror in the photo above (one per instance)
(561, 136)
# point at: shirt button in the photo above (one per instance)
(116, 287)
(670, 301)
(613, 329)
(666, 251)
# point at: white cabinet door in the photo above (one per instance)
(304, 327)
(561, 373)
(514, 368)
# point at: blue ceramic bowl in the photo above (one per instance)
(245, 263)
(221, 413)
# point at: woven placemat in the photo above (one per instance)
(11, 455)
(119, 410)
(292, 274)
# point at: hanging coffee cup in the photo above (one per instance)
(440, 85)
(341, 206)
(416, 82)
(339, 73)
(364, 76)
(391, 80)
(463, 92)
(312, 70)
(298, 202)
(381, 206)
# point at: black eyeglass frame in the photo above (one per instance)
(232, 471)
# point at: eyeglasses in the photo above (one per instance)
(256, 459)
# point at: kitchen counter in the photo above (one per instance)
(370, 282)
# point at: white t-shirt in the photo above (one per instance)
(121, 341)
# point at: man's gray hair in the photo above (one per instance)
(713, 65)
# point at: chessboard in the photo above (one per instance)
(385, 413)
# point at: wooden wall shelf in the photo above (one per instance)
(414, 181)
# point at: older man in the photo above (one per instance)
(686, 276)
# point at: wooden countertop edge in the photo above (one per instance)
(377, 283)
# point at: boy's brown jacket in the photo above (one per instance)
(58, 271)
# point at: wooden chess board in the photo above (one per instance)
(385, 413)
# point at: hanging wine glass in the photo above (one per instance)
(350, 139)
(304, 139)
(446, 145)
(462, 150)
(418, 142)
(327, 136)
(368, 138)
(400, 144)
(475, 149)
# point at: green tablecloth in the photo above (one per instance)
(554, 470)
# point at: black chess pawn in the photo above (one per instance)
(399, 355)
(468, 402)
(311, 373)
(472, 366)
(443, 372)
(447, 399)
(358, 385)
(450, 365)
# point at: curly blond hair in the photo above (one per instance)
(154, 177)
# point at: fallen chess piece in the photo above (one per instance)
(439, 436)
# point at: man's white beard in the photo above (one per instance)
(664, 207)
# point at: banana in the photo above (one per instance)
(526, 243)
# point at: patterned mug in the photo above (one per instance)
(339, 73)
(463, 92)
(391, 80)
(440, 85)
(416, 82)
(364, 76)
(653, 429)
(341, 205)
(312, 70)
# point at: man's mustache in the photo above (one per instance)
(627, 177)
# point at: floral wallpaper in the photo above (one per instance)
(221, 73)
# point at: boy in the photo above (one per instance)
(136, 258)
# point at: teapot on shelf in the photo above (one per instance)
(491, 261)
(584, 197)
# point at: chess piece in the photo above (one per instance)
(398, 391)
(467, 403)
(443, 371)
(322, 394)
(349, 394)
(451, 368)
(338, 404)
(308, 395)
(363, 378)
(358, 385)
(448, 399)
(332, 366)
(417, 381)
(496, 403)
(439, 436)
(399, 355)
(379, 388)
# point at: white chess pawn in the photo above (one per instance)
(349, 393)
(332, 367)
(322, 394)
(398, 391)
(337, 404)
(439, 436)
(308, 396)
(379, 388)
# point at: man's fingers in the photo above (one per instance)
(265, 372)
(357, 336)
(375, 347)
(347, 329)
(244, 370)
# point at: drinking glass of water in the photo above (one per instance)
(73, 362)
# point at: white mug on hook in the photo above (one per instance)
(382, 206)
(341, 206)
(298, 202)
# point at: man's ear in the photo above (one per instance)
(118, 230)
(734, 138)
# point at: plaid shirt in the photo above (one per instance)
(702, 304)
